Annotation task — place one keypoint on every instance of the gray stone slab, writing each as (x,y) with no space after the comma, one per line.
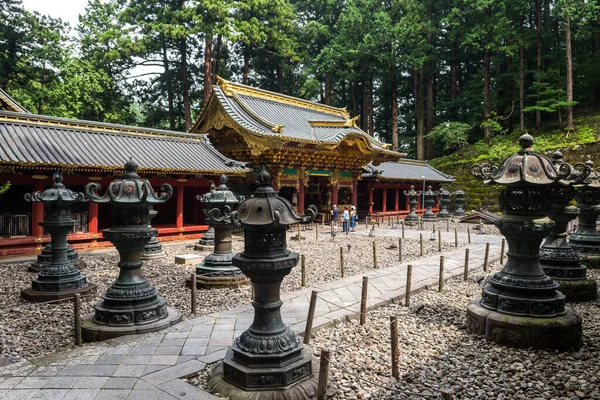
(101,370)
(60,382)
(20,394)
(90,382)
(120,383)
(163,360)
(183,390)
(33,382)
(112,394)
(178,371)
(214,356)
(51,394)
(168,351)
(129,371)
(81,394)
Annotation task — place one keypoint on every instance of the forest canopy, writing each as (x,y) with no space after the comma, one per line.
(428,76)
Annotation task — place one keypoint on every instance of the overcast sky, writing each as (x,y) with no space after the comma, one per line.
(67,10)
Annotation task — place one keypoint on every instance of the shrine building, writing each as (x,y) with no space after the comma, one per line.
(315,152)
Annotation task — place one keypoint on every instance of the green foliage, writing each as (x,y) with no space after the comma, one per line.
(452,135)
(4,188)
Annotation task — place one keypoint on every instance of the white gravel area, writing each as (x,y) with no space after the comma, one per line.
(436,352)
(34,329)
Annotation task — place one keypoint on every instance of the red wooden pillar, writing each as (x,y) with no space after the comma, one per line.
(37,210)
(300,196)
(384,199)
(396,199)
(93,217)
(371,200)
(334,194)
(355,192)
(179,206)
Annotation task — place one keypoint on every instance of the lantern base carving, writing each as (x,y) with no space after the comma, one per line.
(93,332)
(212,276)
(207,241)
(39,297)
(562,332)
(296,381)
(45,257)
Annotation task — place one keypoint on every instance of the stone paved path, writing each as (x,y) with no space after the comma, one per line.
(152,366)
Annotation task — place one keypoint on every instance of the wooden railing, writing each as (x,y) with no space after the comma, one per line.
(15,225)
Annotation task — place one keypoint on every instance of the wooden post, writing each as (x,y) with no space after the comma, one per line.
(448,225)
(341,261)
(441,277)
(310,317)
(402,229)
(193,287)
(363,300)
(408,284)
(421,242)
(374,255)
(303,270)
(77,318)
(323,375)
(502,252)
(455,238)
(299,233)
(400,249)
(439,241)
(316,232)
(485,259)
(394,346)
(469,234)
(447,394)
(466,272)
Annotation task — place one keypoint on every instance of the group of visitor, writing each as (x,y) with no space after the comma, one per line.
(348,219)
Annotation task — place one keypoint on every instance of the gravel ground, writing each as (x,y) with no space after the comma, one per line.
(33,329)
(436,352)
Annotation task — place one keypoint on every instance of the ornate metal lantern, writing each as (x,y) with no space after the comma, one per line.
(131,305)
(217,269)
(412,203)
(557,258)
(59,279)
(153,249)
(429,203)
(586,240)
(520,305)
(207,241)
(459,198)
(268,358)
(444,201)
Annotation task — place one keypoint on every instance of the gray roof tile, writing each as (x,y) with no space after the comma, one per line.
(406,170)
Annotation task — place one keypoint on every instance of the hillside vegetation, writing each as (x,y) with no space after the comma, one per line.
(579,145)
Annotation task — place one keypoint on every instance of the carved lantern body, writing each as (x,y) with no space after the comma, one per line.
(520,305)
(557,258)
(268,358)
(460,202)
(444,201)
(44,258)
(217,270)
(412,203)
(59,278)
(429,203)
(131,305)
(586,240)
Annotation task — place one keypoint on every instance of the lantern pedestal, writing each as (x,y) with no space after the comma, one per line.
(153,250)
(562,332)
(207,241)
(429,203)
(586,240)
(444,201)
(45,257)
(412,216)
(459,199)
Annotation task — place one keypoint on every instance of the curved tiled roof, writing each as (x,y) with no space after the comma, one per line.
(35,140)
(271,114)
(406,169)
(7,103)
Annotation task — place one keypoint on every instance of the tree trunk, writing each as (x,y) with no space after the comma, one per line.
(487,102)
(430,112)
(419,113)
(538,13)
(327,99)
(185,86)
(569,73)
(207,67)
(218,56)
(169,85)
(453,73)
(522,81)
(246,66)
(394,110)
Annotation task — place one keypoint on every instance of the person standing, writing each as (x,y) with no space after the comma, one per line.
(334,218)
(352,219)
(345,220)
